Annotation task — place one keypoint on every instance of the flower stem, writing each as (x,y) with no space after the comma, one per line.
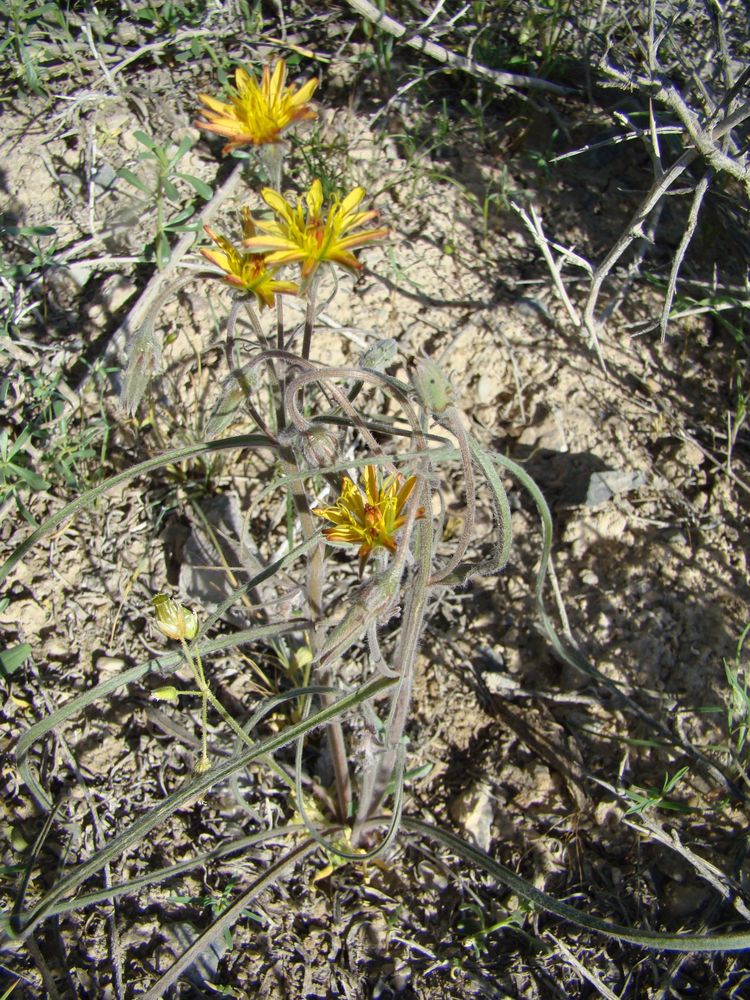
(312,293)
(452,420)
(375,785)
(273,159)
(207,695)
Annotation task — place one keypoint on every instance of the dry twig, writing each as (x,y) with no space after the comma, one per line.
(451,59)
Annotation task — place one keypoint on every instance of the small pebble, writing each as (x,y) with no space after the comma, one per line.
(109,664)
(105,176)
(56,650)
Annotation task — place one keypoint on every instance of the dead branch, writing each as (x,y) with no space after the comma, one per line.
(451,59)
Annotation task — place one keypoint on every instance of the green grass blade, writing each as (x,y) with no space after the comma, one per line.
(167,458)
(737,941)
(138,830)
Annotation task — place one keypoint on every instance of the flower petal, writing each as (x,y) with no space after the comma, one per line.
(305,92)
(344,533)
(361,239)
(314,199)
(281,257)
(404,493)
(242,79)
(216,257)
(269,242)
(352,200)
(277,81)
(257,114)
(370,480)
(218,106)
(278,203)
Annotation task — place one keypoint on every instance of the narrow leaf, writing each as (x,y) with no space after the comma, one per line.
(162,251)
(170,190)
(139,830)
(180,217)
(131,178)
(200,187)
(11,659)
(708,942)
(145,140)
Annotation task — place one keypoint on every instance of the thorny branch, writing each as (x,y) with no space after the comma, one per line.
(708,130)
(452,59)
(635,227)
(702,135)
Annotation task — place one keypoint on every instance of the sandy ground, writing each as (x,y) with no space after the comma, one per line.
(651,541)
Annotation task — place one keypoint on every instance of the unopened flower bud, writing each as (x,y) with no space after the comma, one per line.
(379,355)
(303,657)
(435,391)
(237,388)
(173,620)
(167,693)
(319,448)
(144,362)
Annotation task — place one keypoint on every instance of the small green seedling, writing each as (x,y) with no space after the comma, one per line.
(643,800)
(163,192)
(217,903)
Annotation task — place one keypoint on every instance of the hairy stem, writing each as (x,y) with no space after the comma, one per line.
(374,787)
(452,419)
(312,294)
(196,665)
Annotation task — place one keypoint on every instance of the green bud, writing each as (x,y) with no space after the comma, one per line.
(433,388)
(379,355)
(167,693)
(303,657)
(319,448)
(240,384)
(144,362)
(173,620)
(17,840)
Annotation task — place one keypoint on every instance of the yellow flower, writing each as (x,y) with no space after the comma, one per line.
(173,620)
(370,519)
(257,114)
(307,234)
(245,270)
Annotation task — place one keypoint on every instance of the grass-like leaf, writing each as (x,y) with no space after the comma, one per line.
(139,830)
(733,941)
(159,462)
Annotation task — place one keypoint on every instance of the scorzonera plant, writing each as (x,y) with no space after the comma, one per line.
(356,448)
(362,459)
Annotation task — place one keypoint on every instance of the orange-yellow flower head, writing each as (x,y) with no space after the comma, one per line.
(307,234)
(246,270)
(368,519)
(257,113)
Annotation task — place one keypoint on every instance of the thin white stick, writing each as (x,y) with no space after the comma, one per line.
(443,55)
(700,191)
(634,229)
(534,224)
(602,989)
